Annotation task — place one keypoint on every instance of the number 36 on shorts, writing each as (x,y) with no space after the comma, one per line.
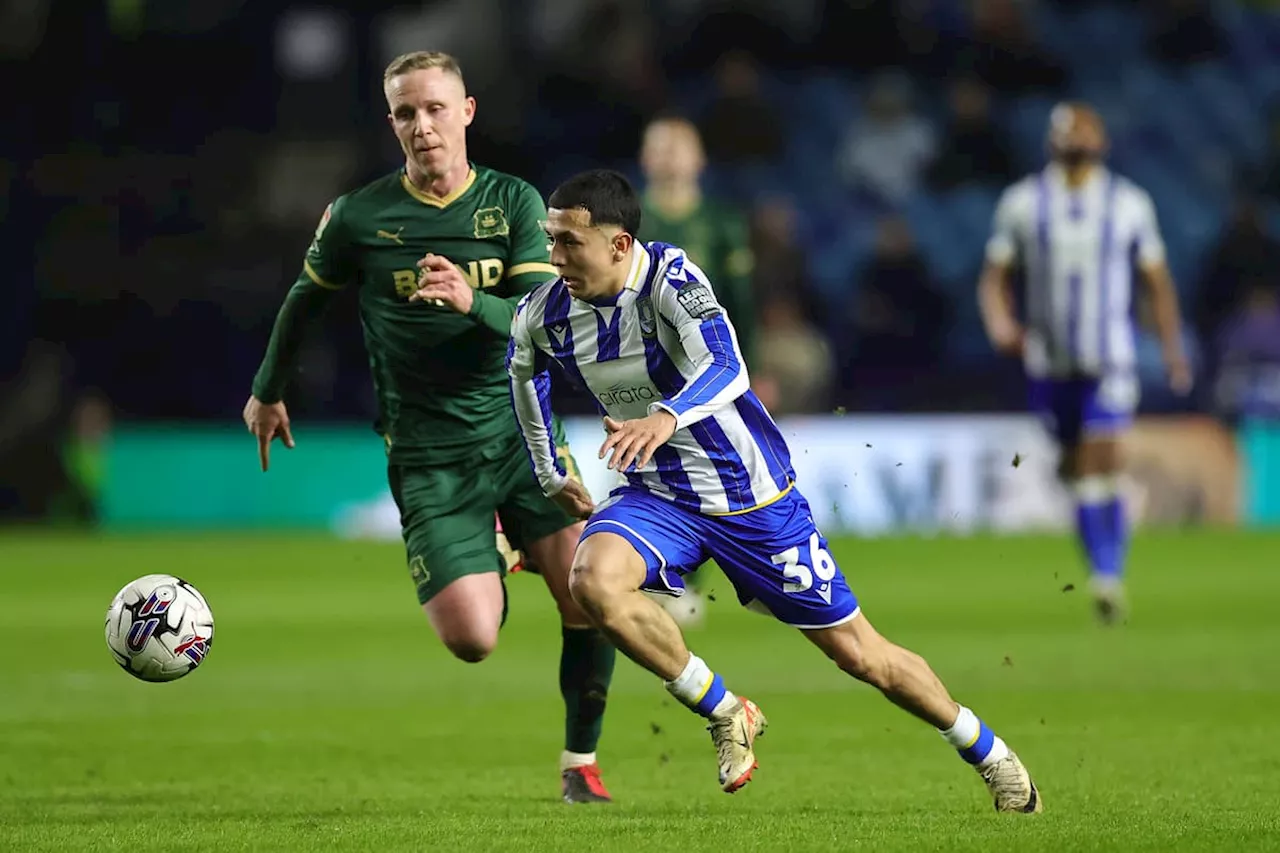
(805,568)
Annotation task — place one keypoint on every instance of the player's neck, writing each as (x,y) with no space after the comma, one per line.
(439,186)
(1077,176)
(676,199)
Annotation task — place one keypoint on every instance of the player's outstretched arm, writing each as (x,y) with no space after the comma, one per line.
(708,338)
(322,275)
(265,414)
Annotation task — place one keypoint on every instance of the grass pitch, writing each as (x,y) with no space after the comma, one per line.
(326,717)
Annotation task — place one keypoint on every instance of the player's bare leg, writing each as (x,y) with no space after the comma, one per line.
(1091,469)
(467,614)
(907,681)
(606,579)
(586,670)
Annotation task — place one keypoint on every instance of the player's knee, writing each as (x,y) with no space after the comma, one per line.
(470,647)
(1102,457)
(595,588)
(467,635)
(588,586)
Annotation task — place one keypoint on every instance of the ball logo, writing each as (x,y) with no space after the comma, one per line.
(139,633)
(158,603)
(195,647)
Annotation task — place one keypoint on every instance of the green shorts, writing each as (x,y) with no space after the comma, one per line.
(446,513)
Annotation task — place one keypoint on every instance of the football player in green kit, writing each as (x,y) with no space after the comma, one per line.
(440,252)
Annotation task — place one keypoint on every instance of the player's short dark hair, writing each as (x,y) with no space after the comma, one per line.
(607,195)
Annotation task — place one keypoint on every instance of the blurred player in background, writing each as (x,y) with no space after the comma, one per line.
(1074,230)
(441,251)
(716,238)
(708,476)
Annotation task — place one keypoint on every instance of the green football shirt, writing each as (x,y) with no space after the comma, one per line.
(716,238)
(441,383)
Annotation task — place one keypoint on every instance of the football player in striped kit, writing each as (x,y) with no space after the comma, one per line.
(1077,231)
(707,476)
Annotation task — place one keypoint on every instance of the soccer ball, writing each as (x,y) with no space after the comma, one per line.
(159,628)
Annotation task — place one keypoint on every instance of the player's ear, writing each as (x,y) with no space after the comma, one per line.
(468,111)
(622,242)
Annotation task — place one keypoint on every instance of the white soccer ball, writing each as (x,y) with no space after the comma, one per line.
(159,628)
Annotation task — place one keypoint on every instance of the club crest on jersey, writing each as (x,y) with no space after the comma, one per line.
(418,569)
(648,322)
(490,222)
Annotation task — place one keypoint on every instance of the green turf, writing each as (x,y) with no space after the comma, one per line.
(327,718)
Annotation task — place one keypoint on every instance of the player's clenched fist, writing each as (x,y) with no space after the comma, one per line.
(636,440)
(575,500)
(266,421)
(442,283)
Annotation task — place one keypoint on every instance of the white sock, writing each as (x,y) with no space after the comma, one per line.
(570,760)
(697,687)
(964,734)
(1097,489)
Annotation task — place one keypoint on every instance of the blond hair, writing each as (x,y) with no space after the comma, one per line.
(420,60)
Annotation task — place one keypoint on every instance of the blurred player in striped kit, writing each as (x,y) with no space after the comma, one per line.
(1076,231)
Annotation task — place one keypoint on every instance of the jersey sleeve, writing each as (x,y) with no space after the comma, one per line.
(1147,238)
(328,266)
(329,261)
(685,300)
(528,369)
(1003,248)
(528,261)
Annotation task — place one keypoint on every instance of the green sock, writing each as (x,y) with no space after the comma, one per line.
(586,669)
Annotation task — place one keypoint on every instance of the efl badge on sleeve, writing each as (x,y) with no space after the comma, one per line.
(324,221)
(695,298)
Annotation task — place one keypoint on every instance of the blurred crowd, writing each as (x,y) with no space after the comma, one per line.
(164,180)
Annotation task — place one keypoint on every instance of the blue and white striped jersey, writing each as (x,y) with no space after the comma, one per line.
(663,343)
(1077,249)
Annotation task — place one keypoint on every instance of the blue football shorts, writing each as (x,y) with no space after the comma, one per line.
(774,556)
(1080,406)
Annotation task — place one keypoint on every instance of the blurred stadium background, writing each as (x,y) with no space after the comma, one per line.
(163,179)
(163,167)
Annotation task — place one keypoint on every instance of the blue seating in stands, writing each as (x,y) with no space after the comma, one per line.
(1183,134)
